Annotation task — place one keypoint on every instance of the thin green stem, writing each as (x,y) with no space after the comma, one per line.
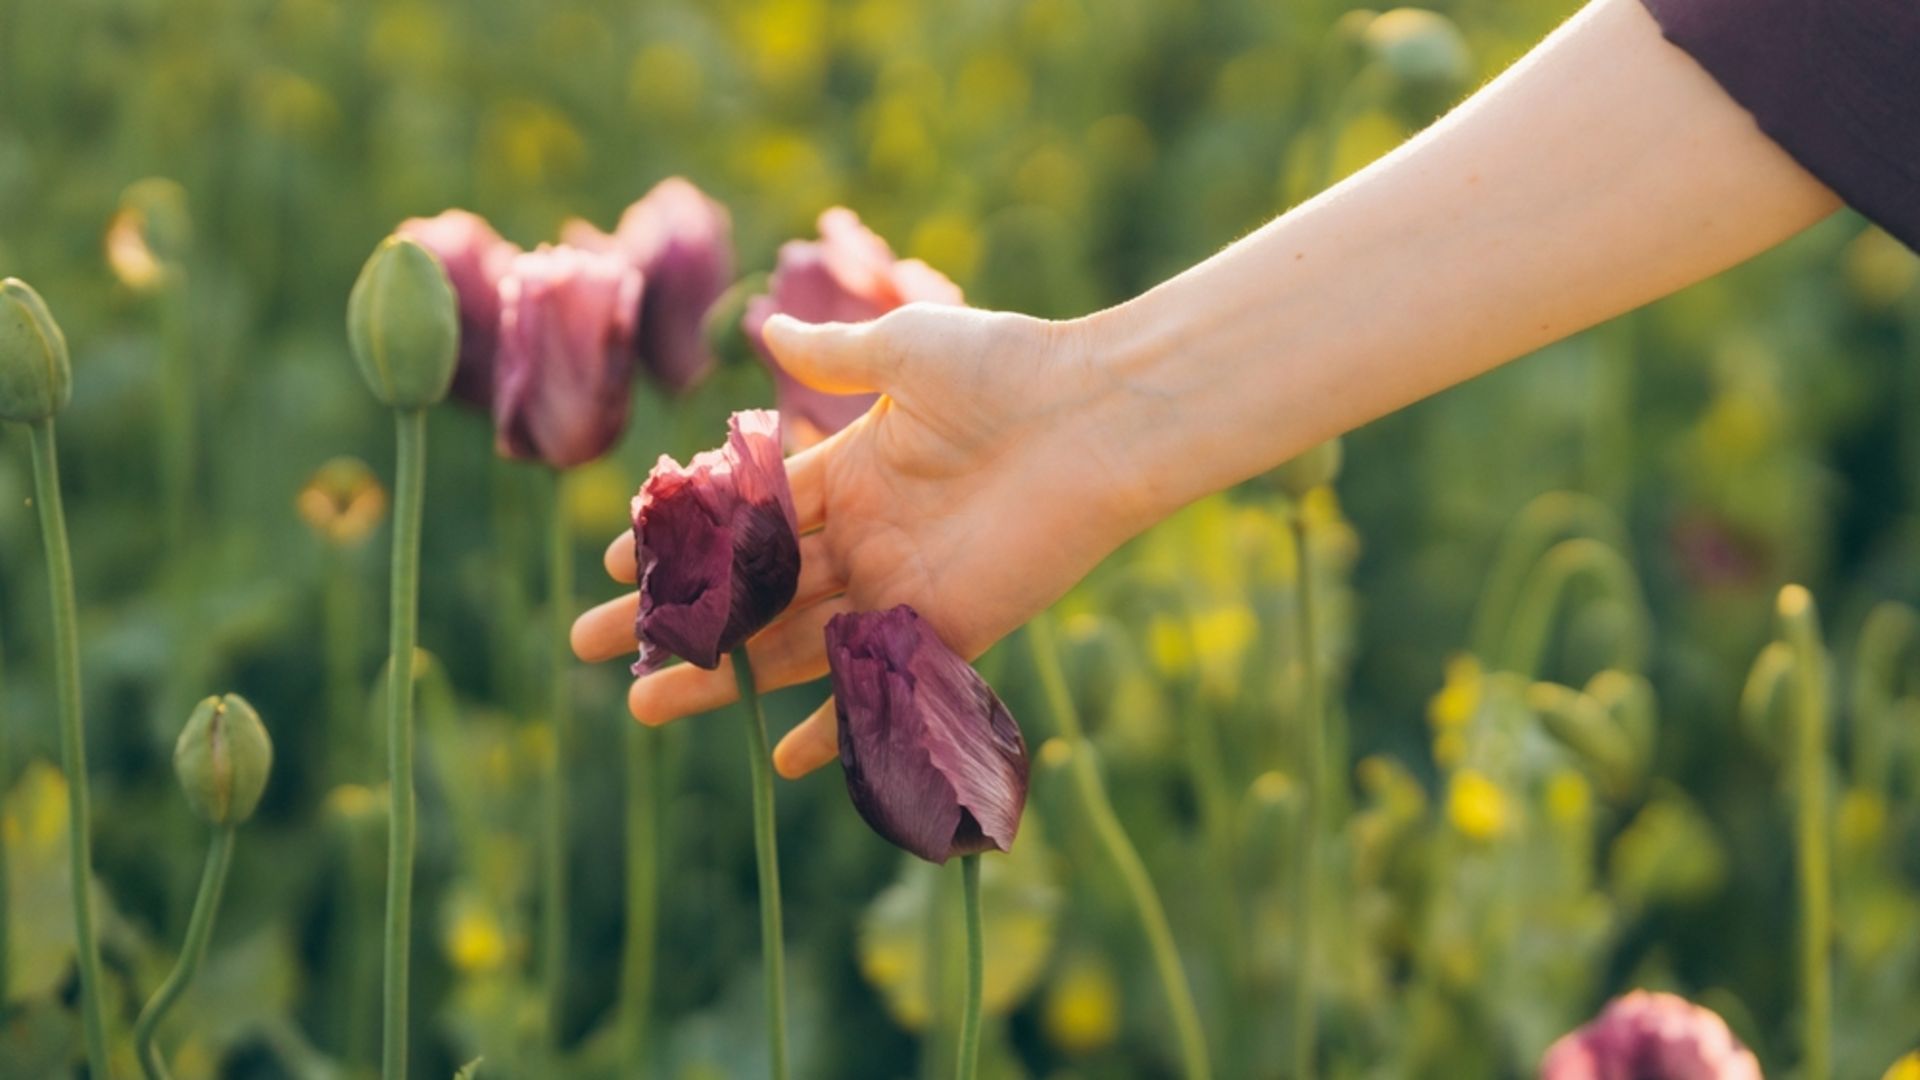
(767,856)
(6,762)
(1312,725)
(643,883)
(1802,632)
(976,969)
(348,744)
(1120,850)
(553,876)
(177,414)
(410,426)
(73,737)
(206,908)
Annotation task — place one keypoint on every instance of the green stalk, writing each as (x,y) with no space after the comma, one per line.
(1120,850)
(643,884)
(177,420)
(1548,585)
(1312,768)
(553,877)
(348,743)
(410,427)
(206,907)
(976,969)
(1554,514)
(1802,631)
(767,854)
(6,935)
(73,737)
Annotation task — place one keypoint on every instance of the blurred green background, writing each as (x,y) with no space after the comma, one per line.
(1493,874)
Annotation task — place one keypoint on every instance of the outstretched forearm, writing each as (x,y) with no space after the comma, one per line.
(1603,171)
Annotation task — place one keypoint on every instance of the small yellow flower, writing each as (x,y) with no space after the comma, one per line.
(1082,1013)
(1907,1068)
(1459,696)
(1569,799)
(476,942)
(1860,821)
(342,501)
(1476,807)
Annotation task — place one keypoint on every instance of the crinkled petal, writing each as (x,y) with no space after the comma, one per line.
(933,760)
(562,384)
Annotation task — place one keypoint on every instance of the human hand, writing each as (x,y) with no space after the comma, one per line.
(987,481)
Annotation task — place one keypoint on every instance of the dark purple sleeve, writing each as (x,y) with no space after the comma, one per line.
(1834,82)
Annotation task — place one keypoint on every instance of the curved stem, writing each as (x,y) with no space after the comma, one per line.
(1548,584)
(1120,850)
(73,737)
(1554,514)
(767,857)
(410,427)
(1802,632)
(1312,775)
(976,969)
(643,876)
(553,877)
(206,907)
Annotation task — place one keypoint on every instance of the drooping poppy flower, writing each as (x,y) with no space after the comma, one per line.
(562,388)
(718,546)
(848,275)
(1651,1036)
(475,258)
(681,241)
(933,760)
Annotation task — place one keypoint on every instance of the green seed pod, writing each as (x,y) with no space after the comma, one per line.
(1317,467)
(36,379)
(1423,49)
(222,759)
(403,324)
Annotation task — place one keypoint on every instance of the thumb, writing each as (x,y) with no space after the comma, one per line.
(838,358)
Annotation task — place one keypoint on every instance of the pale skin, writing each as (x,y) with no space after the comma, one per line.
(1011,454)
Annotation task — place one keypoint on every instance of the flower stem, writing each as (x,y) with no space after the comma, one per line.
(206,907)
(1312,787)
(643,883)
(6,761)
(976,969)
(1802,632)
(410,426)
(767,853)
(1120,850)
(553,877)
(73,737)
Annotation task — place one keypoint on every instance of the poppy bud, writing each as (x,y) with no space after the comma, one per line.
(1317,467)
(36,379)
(848,275)
(222,759)
(1652,1035)
(475,259)
(403,325)
(933,760)
(1423,49)
(718,545)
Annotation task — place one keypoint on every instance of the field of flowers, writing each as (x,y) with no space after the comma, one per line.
(1599,674)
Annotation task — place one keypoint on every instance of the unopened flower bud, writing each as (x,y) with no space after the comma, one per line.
(403,325)
(1423,49)
(36,379)
(1316,468)
(222,759)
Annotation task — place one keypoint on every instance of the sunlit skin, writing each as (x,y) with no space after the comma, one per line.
(1011,454)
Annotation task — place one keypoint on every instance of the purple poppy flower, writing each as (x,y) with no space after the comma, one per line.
(848,275)
(933,760)
(718,546)
(562,385)
(1651,1036)
(681,241)
(475,258)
